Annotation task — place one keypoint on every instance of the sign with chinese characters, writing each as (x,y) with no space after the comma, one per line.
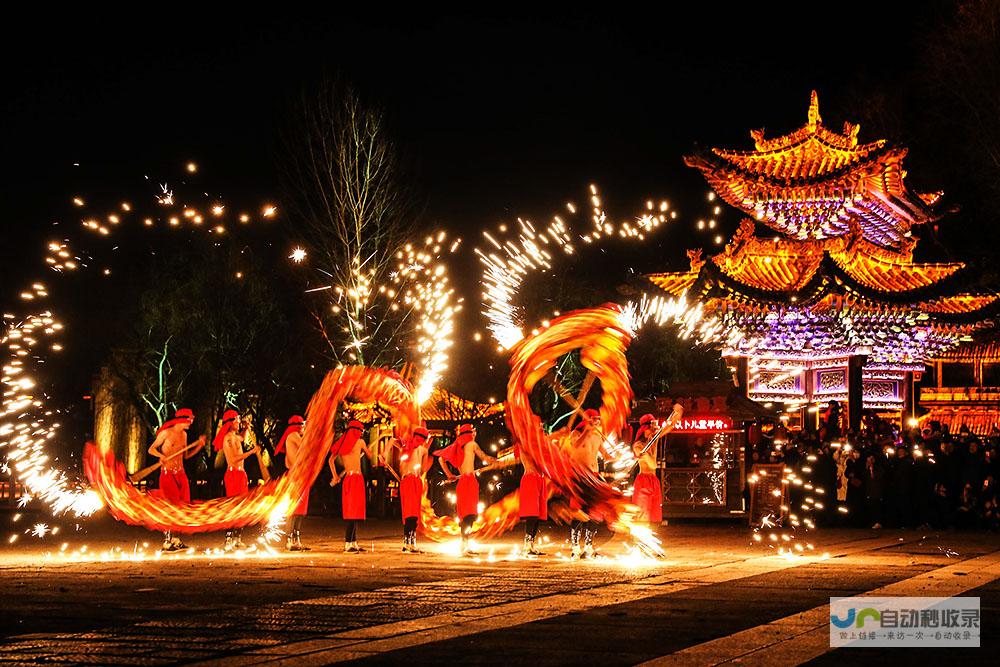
(703,424)
(904,621)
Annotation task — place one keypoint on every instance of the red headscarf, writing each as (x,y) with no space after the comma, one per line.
(345,443)
(645,427)
(226,426)
(295,424)
(455,452)
(182,416)
(418,439)
(588,415)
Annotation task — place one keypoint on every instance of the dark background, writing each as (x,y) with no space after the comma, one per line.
(495,117)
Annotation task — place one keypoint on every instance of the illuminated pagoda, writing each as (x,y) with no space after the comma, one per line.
(820,276)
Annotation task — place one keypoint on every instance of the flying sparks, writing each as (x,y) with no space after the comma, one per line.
(416,301)
(27,423)
(507,263)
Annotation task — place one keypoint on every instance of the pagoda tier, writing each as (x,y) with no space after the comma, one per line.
(816,184)
(832,296)
(833,307)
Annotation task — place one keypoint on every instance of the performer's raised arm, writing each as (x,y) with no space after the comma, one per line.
(674,418)
(483,455)
(198,445)
(245,455)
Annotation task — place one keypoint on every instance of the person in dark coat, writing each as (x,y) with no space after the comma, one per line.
(900,489)
(875,488)
(854,474)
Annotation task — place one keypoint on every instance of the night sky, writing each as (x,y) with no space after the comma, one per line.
(494,117)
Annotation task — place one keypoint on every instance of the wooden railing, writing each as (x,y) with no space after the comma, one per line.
(959,394)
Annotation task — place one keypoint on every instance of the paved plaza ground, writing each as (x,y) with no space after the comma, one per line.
(715,598)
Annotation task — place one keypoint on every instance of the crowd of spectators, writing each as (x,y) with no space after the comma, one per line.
(885,476)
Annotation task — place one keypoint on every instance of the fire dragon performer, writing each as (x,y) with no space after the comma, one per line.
(533,502)
(349,448)
(412,469)
(290,442)
(461,454)
(585,450)
(646,491)
(229,440)
(171,447)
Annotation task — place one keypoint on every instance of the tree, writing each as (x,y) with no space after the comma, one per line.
(212,332)
(343,182)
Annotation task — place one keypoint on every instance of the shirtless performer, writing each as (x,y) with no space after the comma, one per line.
(461,454)
(171,447)
(291,441)
(349,448)
(412,468)
(646,491)
(589,445)
(229,439)
(533,501)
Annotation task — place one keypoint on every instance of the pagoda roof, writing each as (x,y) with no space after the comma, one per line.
(444,405)
(815,183)
(764,271)
(987,351)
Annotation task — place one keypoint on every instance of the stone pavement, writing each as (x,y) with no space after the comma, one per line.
(715,598)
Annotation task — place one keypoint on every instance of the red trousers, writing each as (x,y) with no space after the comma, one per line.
(647,495)
(532,496)
(303,506)
(353,497)
(411,494)
(468,495)
(174,485)
(236,482)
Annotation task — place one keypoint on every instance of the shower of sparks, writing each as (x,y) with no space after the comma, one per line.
(508,262)
(690,320)
(418,293)
(146,552)
(27,423)
(274,531)
(785,535)
(298,255)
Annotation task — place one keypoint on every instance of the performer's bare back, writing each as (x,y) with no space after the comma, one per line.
(469,453)
(352,459)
